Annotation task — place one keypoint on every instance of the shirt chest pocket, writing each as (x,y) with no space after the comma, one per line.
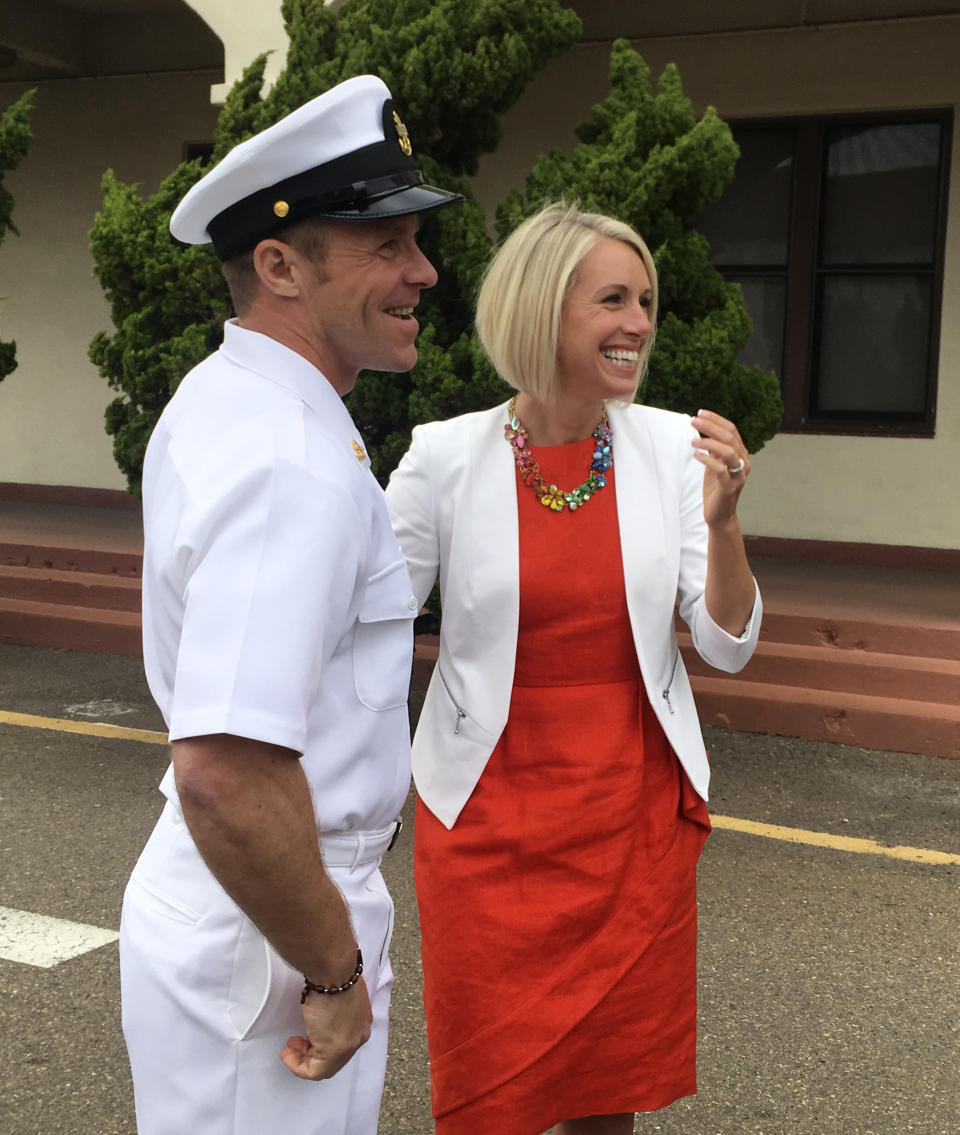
(383,644)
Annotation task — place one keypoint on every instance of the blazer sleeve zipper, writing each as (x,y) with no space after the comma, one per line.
(461,714)
(666,693)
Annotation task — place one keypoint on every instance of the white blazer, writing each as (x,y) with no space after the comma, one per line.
(453,503)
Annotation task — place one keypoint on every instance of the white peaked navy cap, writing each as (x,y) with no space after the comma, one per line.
(346,154)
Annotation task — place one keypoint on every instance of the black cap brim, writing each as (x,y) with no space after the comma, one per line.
(268,212)
(416,199)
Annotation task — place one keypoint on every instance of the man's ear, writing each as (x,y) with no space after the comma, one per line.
(277,266)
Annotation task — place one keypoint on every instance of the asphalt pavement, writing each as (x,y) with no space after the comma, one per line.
(830,979)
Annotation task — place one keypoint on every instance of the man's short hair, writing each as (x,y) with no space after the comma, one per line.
(308,237)
(525,288)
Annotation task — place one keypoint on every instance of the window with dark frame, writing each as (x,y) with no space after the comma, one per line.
(834,229)
(193,150)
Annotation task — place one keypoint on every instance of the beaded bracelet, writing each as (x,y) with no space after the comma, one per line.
(309,987)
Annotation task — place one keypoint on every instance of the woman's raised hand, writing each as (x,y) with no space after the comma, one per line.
(726,463)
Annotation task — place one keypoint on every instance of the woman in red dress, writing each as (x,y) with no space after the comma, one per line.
(558,758)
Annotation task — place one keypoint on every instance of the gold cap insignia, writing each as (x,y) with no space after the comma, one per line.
(280,208)
(402,136)
(358,451)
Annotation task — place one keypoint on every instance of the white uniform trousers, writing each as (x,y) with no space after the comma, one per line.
(208,1005)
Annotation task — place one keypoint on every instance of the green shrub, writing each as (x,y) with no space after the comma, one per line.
(15,138)
(454,67)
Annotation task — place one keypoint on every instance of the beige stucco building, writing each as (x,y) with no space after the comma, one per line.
(127,84)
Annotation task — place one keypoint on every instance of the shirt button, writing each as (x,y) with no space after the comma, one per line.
(412,603)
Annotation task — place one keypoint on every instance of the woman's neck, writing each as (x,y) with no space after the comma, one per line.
(557,423)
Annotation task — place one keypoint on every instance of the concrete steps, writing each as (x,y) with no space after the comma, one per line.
(66,627)
(862,655)
(863,632)
(72,558)
(910,677)
(870,722)
(867,657)
(70,597)
(73,588)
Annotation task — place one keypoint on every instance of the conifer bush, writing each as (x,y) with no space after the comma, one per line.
(454,67)
(15,138)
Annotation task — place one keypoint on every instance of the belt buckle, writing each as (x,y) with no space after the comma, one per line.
(398,827)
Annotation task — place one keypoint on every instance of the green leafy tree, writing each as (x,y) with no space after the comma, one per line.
(646,158)
(15,137)
(454,67)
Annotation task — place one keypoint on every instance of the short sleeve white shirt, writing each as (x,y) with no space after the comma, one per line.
(276,603)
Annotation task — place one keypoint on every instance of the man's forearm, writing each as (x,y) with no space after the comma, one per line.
(248,807)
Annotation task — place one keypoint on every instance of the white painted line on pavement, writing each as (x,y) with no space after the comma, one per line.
(107,707)
(38,940)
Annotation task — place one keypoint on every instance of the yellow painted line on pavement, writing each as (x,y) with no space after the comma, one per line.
(835,842)
(90,728)
(728,823)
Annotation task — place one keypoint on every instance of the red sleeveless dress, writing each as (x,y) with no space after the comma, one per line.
(558,917)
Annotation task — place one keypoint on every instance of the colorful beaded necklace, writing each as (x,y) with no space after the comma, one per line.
(550,496)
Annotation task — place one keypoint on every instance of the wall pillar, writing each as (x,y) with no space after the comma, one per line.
(247,28)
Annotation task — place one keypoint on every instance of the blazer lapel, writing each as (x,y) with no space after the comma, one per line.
(493,498)
(493,570)
(640,513)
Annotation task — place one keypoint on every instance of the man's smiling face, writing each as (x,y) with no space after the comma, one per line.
(359,304)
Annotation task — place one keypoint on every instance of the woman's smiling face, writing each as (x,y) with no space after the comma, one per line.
(605,324)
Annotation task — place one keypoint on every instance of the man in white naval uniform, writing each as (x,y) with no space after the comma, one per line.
(278,622)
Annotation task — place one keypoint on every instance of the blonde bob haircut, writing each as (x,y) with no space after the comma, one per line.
(526,285)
